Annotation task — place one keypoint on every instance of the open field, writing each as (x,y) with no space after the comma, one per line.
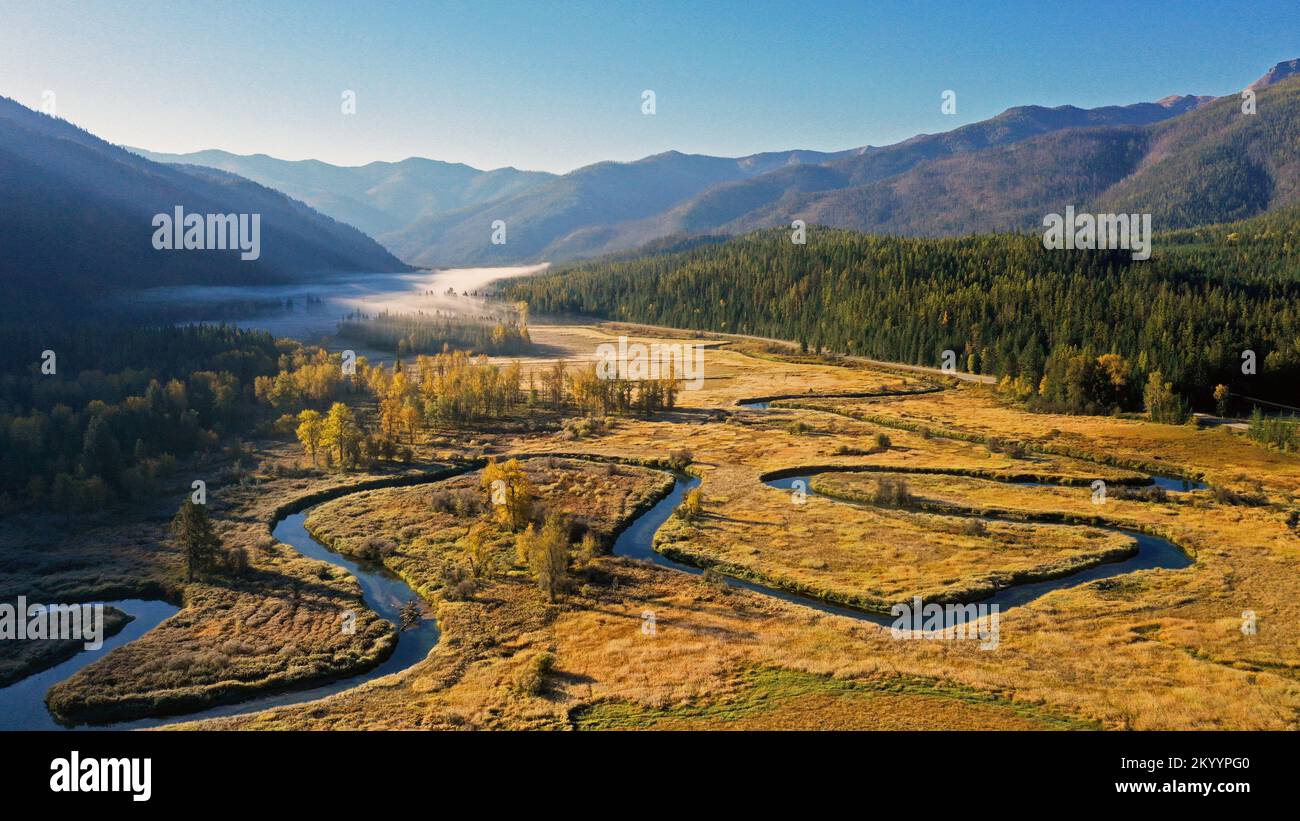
(1150,649)
(1216,454)
(874,557)
(768,699)
(420,530)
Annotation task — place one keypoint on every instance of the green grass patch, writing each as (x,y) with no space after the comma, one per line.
(763,689)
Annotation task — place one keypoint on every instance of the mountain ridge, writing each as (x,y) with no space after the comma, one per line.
(76,221)
(1001,173)
(376,197)
(739,201)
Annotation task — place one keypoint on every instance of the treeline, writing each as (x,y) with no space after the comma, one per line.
(1002,303)
(305,377)
(1280,432)
(448,389)
(109,411)
(421,333)
(453,388)
(94,415)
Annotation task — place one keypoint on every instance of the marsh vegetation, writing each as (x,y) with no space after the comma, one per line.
(955,491)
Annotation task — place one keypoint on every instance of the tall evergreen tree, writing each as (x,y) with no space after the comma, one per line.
(199,543)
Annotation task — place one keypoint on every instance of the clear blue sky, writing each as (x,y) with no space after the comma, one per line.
(556,85)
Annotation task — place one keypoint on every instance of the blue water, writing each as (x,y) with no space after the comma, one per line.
(1170,483)
(23,702)
(637,543)
(1152,552)
(385,593)
(1177,485)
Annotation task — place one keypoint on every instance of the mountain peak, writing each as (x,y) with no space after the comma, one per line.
(1184,102)
(1276,74)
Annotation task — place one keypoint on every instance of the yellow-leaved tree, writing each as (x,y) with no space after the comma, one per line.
(340,432)
(509,493)
(310,430)
(546,553)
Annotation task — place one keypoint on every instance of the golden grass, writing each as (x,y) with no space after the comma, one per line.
(1155,649)
(777,699)
(1148,650)
(278,627)
(597,496)
(1220,455)
(871,557)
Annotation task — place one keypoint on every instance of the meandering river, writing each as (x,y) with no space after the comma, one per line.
(24,706)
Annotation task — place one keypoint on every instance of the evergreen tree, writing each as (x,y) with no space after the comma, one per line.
(100,453)
(199,543)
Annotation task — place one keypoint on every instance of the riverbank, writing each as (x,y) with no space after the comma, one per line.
(1155,648)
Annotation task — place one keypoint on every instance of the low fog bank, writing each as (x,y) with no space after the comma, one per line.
(310,311)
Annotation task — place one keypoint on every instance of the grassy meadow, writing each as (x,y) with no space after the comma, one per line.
(1154,649)
(1148,650)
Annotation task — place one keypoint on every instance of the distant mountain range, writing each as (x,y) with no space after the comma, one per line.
(377,198)
(76,222)
(405,203)
(1188,160)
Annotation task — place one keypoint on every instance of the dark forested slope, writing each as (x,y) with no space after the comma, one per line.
(1002,302)
(76,222)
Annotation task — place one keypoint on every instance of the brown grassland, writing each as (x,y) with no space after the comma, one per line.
(1152,649)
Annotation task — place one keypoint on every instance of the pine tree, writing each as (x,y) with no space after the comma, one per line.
(100,454)
(199,543)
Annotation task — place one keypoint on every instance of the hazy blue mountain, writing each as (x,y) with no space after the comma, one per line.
(596,195)
(614,206)
(76,218)
(1186,159)
(973,164)
(377,197)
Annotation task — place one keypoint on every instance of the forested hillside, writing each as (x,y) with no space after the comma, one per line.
(1219,163)
(76,222)
(121,407)
(613,206)
(376,197)
(1003,303)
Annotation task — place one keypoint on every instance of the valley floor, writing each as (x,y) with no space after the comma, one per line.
(1151,649)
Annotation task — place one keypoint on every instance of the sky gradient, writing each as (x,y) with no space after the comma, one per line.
(554,86)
